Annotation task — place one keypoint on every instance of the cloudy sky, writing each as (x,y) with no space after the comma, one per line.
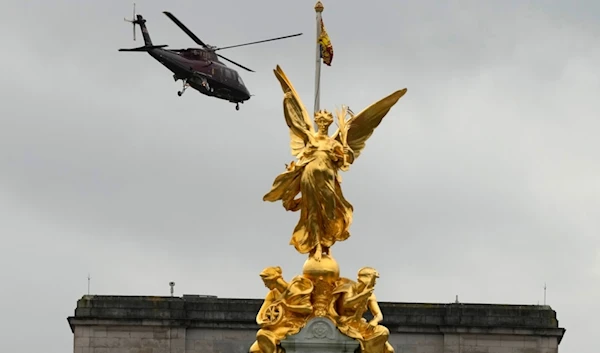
(482,182)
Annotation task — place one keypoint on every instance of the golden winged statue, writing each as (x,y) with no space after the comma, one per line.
(325,215)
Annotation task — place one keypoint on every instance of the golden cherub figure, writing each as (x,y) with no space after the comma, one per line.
(325,215)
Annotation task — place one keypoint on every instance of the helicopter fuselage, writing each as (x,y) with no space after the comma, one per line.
(199,68)
(209,77)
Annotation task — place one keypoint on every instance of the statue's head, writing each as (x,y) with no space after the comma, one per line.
(368,276)
(270,275)
(323,119)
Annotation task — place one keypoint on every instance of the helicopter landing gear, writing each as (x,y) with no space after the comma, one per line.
(185,86)
(237,106)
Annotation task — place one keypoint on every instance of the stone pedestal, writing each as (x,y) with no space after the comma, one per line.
(319,336)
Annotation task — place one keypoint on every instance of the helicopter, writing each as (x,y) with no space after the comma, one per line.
(199,68)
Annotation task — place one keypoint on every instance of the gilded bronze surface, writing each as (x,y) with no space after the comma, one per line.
(349,302)
(325,214)
(285,310)
(325,217)
(320,292)
(312,185)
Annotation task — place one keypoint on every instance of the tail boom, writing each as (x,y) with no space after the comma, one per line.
(145,48)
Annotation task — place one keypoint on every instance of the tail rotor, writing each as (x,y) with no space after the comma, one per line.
(139,20)
(132,21)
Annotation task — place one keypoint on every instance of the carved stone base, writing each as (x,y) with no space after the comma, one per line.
(319,336)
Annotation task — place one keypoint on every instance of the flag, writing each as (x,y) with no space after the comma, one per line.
(326,47)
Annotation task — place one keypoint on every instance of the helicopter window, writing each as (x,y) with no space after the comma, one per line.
(240,79)
(196,54)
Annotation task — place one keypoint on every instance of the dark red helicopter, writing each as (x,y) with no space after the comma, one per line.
(199,68)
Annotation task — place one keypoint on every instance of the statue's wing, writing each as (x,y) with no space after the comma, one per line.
(362,125)
(296,116)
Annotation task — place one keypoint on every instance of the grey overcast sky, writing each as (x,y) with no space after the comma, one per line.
(482,182)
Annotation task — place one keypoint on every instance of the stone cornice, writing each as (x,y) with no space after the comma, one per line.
(212,312)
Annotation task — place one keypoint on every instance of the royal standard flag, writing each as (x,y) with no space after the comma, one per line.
(326,47)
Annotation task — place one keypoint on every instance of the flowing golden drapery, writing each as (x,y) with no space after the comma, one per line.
(284,311)
(325,215)
(350,301)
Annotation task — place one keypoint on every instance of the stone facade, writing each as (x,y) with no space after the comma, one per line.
(196,324)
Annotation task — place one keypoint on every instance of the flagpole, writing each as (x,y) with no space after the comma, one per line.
(318,9)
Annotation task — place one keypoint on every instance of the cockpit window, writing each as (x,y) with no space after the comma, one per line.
(196,54)
(240,79)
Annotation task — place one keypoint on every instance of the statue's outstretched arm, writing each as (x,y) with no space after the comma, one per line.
(351,301)
(375,310)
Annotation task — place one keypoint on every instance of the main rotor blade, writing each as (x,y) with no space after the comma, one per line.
(260,41)
(233,62)
(185,29)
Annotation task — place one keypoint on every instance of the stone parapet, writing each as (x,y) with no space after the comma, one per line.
(225,313)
